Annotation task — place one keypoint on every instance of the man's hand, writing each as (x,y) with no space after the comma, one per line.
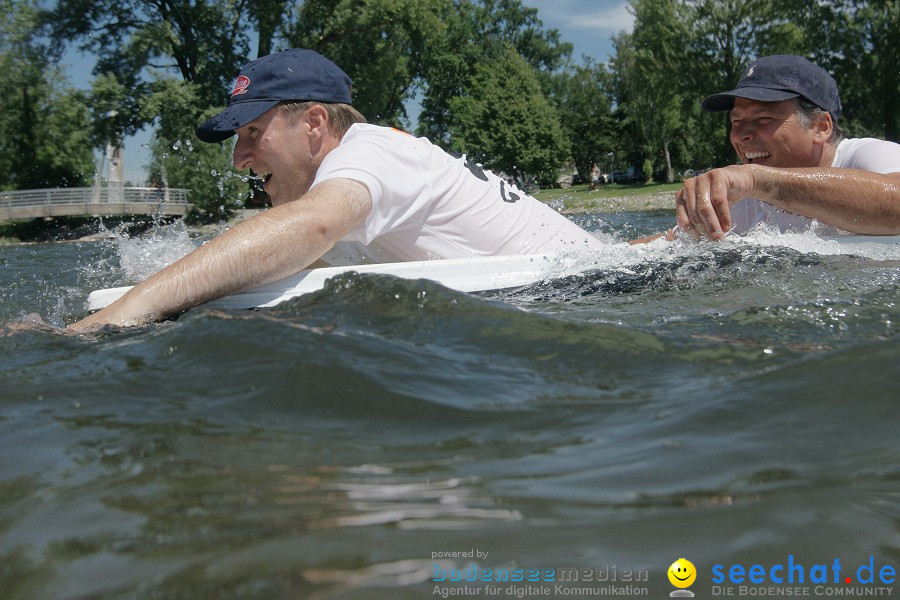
(117,316)
(267,247)
(703,205)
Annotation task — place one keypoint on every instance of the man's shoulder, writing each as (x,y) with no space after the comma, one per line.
(358,130)
(866,141)
(370,131)
(370,142)
(867,144)
(871,154)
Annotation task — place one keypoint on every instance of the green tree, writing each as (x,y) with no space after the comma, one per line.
(478,32)
(645,63)
(725,38)
(45,122)
(582,96)
(505,121)
(115,111)
(202,42)
(379,43)
(269,15)
(865,60)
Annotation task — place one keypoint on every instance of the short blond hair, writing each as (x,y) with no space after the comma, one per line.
(340,116)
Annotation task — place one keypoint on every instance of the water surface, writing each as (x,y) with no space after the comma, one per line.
(730,403)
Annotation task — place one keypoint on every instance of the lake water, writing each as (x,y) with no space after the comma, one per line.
(733,404)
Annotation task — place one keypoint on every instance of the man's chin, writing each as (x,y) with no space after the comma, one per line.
(273,194)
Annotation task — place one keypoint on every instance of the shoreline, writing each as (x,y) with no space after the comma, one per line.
(566,202)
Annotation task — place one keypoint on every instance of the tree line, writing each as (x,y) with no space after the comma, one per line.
(492,81)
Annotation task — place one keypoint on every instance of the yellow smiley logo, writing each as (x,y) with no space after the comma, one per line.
(682,573)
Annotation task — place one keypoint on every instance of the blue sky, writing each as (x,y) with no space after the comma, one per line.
(586,24)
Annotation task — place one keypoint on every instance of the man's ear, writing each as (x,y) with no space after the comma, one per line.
(823,127)
(317,119)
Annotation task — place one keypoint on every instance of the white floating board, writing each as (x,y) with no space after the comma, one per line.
(852,239)
(463,274)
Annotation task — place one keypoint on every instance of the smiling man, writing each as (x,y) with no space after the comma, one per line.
(796,166)
(343,191)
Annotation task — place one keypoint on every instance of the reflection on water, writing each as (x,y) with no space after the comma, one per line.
(729,403)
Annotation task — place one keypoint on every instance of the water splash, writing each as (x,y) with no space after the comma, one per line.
(873,246)
(142,256)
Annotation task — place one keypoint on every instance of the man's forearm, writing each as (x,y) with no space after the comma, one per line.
(265,248)
(849,199)
(257,251)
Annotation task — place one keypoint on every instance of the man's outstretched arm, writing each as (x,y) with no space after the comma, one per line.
(850,199)
(270,246)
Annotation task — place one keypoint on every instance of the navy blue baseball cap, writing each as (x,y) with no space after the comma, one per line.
(781,77)
(296,74)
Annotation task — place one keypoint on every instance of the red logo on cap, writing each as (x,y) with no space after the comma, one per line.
(240,86)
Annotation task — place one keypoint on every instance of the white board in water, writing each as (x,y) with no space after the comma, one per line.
(461,274)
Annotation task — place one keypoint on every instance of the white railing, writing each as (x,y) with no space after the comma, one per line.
(90,195)
(105,200)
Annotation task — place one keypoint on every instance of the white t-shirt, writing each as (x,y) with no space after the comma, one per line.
(427,204)
(868,154)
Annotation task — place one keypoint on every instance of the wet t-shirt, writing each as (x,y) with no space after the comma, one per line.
(428,204)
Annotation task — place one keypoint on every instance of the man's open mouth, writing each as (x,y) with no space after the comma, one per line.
(262,177)
(752,156)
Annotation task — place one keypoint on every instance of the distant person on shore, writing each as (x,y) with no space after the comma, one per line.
(342,190)
(596,176)
(796,165)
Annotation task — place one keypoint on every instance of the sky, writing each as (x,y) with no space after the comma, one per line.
(586,24)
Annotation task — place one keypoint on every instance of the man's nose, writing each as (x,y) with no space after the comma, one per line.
(741,131)
(241,156)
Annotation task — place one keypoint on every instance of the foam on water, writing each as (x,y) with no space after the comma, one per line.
(619,257)
(874,247)
(142,256)
(762,239)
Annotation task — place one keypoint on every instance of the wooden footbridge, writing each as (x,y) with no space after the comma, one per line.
(93,201)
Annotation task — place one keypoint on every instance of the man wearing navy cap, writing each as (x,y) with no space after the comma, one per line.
(795,165)
(342,190)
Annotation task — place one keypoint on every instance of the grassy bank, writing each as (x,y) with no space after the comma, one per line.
(612,198)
